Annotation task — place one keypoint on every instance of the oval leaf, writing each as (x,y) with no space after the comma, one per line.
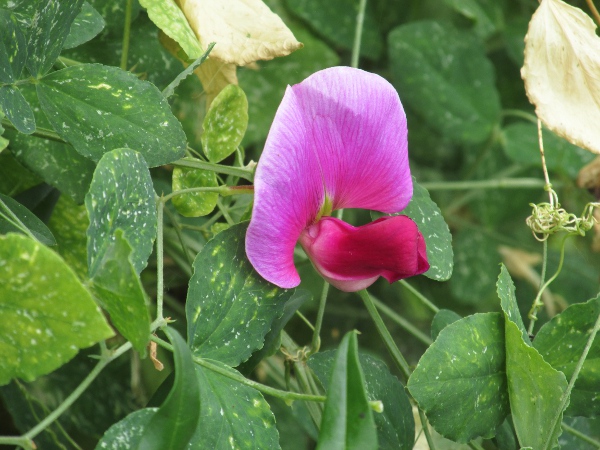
(37,336)
(12,212)
(175,422)
(121,196)
(441,320)
(127,434)
(195,204)
(119,290)
(445,76)
(561,342)
(347,419)
(464,366)
(98,108)
(13,48)
(16,109)
(562,56)
(85,27)
(396,424)
(508,301)
(230,307)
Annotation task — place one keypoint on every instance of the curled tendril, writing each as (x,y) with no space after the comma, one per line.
(550,218)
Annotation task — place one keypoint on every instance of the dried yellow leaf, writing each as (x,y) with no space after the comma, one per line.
(562,72)
(244,30)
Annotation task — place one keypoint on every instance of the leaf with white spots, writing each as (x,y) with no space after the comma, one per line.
(225,123)
(121,196)
(464,366)
(230,307)
(13,215)
(535,390)
(127,434)
(561,342)
(444,75)
(175,422)
(395,424)
(232,415)
(46,315)
(98,108)
(194,204)
(49,30)
(16,109)
(117,287)
(13,48)
(170,19)
(508,300)
(85,27)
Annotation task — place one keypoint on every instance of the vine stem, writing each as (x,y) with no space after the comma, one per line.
(315,344)
(542,278)
(126,33)
(360,19)
(547,186)
(536,302)
(43,133)
(420,296)
(283,395)
(160,205)
(224,191)
(246,172)
(580,435)
(500,183)
(566,395)
(14,220)
(402,322)
(594,11)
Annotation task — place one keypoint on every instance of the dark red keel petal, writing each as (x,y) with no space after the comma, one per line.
(352,258)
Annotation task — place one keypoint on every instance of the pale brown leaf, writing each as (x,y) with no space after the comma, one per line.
(562,72)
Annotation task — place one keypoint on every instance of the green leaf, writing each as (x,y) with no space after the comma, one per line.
(520,141)
(441,320)
(13,48)
(395,425)
(561,342)
(170,19)
(335,20)
(265,87)
(460,381)
(119,290)
(16,109)
(12,212)
(175,422)
(3,145)
(445,76)
(49,30)
(58,164)
(486,14)
(535,391)
(85,27)
(432,225)
(127,434)
(508,302)
(195,204)
(230,307)
(232,415)
(225,123)
(69,223)
(121,196)
(114,14)
(14,178)
(37,336)
(347,419)
(98,108)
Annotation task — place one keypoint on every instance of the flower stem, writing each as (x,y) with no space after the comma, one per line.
(246,172)
(126,31)
(420,296)
(402,322)
(501,183)
(360,19)
(542,280)
(315,344)
(224,191)
(567,394)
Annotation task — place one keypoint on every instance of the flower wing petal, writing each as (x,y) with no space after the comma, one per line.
(352,258)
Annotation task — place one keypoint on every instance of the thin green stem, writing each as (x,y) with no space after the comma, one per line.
(283,395)
(315,344)
(567,394)
(177,228)
(519,113)
(224,191)
(502,183)
(360,19)
(13,219)
(305,320)
(159,259)
(425,428)
(385,334)
(69,62)
(580,435)
(537,302)
(246,172)
(225,212)
(43,133)
(420,296)
(542,280)
(126,33)
(401,321)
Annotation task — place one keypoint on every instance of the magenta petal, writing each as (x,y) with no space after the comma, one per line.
(341,133)
(352,258)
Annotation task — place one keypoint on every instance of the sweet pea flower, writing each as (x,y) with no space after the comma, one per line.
(338,140)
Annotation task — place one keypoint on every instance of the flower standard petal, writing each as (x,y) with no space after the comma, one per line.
(352,258)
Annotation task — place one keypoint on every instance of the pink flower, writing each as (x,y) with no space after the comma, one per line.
(338,140)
